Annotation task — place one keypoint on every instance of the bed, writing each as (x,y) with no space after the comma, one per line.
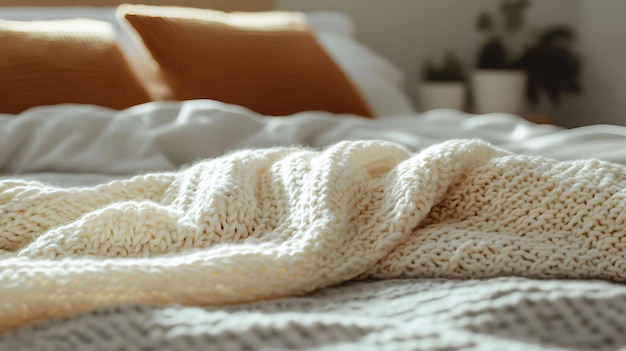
(157,219)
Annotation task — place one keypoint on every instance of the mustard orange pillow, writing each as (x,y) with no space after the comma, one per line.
(64,61)
(268,62)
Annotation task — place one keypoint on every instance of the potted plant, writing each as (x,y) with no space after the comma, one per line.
(515,67)
(552,66)
(499,82)
(443,85)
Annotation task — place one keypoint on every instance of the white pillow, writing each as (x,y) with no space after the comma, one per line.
(377,79)
(331,22)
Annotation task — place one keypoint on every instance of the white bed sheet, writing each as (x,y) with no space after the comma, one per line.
(82,139)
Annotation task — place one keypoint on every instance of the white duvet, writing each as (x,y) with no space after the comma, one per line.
(164,135)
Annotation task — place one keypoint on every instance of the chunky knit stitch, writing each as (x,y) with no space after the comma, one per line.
(260,224)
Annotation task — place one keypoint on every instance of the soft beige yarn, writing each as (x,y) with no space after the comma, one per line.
(259,224)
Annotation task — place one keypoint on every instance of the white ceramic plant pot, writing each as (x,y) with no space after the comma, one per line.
(497,90)
(442,95)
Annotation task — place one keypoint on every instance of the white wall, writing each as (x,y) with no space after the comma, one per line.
(602,36)
(410,31)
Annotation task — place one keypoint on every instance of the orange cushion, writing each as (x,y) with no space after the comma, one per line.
(268,62)
(63,61)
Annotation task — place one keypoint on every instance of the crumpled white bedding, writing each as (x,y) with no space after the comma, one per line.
(164,135)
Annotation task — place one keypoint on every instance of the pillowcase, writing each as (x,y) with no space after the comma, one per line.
(331,22)
(222,5)
(379,83)
(379,80)
(64,61)
(268,62)
(137,56)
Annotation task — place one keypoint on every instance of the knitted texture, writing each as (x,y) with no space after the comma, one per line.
(406,314)
(260,224)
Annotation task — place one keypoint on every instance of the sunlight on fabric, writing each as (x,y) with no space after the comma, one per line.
(83,25)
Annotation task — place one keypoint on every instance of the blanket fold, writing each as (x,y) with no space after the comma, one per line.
(266,223)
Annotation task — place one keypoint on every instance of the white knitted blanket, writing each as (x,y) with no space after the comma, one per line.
(259,224)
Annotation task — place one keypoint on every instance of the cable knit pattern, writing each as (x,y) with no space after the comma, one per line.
(260,224)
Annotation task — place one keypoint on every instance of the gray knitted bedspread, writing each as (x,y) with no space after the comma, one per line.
(494,314)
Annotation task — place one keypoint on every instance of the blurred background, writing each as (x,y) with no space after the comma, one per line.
(413,32)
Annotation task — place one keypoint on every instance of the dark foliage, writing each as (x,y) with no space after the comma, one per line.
(450,70)
(513,14)
(484,23)
(552,66)
(493,56)
(550,62)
